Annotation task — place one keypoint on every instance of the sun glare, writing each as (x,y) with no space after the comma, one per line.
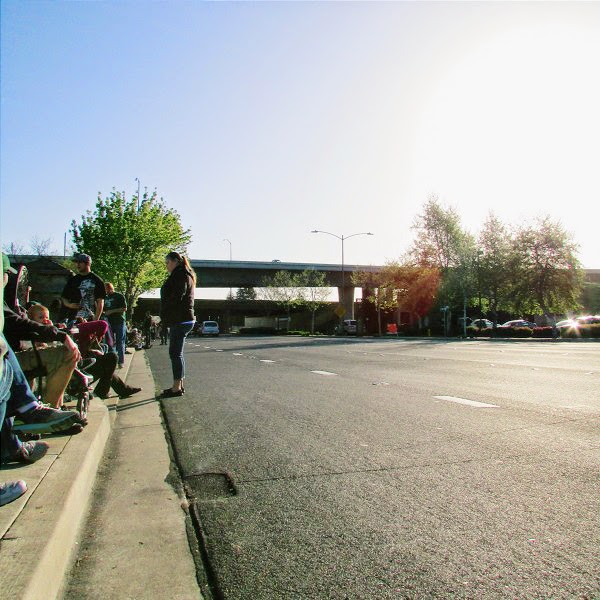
(513,126)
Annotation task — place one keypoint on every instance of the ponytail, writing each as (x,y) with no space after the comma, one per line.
(183,260)
(188,267)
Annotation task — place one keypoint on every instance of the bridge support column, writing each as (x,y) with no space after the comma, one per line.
(346,298)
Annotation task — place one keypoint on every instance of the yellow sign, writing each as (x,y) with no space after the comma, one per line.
(340,311)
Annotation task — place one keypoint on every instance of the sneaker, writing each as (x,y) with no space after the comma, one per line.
(129,391)
(31,451)
(44,419)
(11,490)
(29,437)
(120,366)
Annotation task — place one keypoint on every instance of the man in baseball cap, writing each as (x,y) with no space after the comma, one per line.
(84,293)
(82,258)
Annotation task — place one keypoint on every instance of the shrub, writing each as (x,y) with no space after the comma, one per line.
(514,332)
(257,330)
(542,332)
(477,332)
(583,331)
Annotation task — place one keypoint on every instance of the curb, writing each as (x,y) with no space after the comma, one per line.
(39,544)
(40,531)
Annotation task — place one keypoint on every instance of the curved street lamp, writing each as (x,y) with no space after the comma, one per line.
(342,238)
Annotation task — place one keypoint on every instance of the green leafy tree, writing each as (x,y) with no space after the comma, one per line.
(313,292)
(441,243)
(245,293)
(128,243)
(283,288)
(545,268)
(400,285)
(493,267)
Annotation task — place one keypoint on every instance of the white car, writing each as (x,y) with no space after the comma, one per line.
(349,326)
(209,328)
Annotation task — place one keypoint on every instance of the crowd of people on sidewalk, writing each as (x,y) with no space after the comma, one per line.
(46,366)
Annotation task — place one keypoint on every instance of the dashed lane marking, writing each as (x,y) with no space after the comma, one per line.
(266,360)
(238,354)
(323,373)
(466,402)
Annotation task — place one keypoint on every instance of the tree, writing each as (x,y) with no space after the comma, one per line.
(313,293)
(400,285)
(283,289)
(493,263)
(245,293)
(41,246)
(128,244)
(37,245)
(545,269)
(439,236)
(13,248)
(442,244)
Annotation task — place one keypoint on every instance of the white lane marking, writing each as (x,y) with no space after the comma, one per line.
(219,351)
(208,347)
(267,361)
(323,373)
(238,354)
(467,402)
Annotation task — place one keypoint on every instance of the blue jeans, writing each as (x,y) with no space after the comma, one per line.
(19,394)
(119,336)
(5,385)
(178,333)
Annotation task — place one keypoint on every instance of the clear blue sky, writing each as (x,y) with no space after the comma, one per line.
(259,122)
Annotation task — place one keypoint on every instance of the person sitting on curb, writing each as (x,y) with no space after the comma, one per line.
(104,371)
(57,363)
(14,387)
(9,490)
(13,450)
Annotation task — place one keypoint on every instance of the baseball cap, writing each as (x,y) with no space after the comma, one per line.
(84,258)
(6,268)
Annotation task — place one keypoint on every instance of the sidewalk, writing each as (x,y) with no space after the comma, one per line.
(41,531)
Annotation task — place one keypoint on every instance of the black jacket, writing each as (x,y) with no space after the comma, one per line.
(18,329)
(177,297)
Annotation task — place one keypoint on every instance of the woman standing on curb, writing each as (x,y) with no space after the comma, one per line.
(177,313)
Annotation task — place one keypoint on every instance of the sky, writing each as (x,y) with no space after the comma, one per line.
(259,122)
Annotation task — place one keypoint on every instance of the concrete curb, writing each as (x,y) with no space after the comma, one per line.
(37,548)
(40,530)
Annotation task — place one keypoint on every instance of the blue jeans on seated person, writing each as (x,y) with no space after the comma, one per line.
(178,333)
(19,395)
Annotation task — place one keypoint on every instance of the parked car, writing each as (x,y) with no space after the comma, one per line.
(577,321)
(517,323)
(209,328)
(349,326)
(588,319)
(481,324)
(566,323)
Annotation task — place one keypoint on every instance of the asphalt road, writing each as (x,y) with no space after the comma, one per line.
(369,469)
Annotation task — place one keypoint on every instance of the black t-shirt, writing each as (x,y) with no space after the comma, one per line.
(85,289)
(112,301)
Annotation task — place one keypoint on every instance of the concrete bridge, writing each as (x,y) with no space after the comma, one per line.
(225,273)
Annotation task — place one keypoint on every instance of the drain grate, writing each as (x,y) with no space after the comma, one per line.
(210,486)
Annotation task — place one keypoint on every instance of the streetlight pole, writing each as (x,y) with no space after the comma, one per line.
(342,238)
